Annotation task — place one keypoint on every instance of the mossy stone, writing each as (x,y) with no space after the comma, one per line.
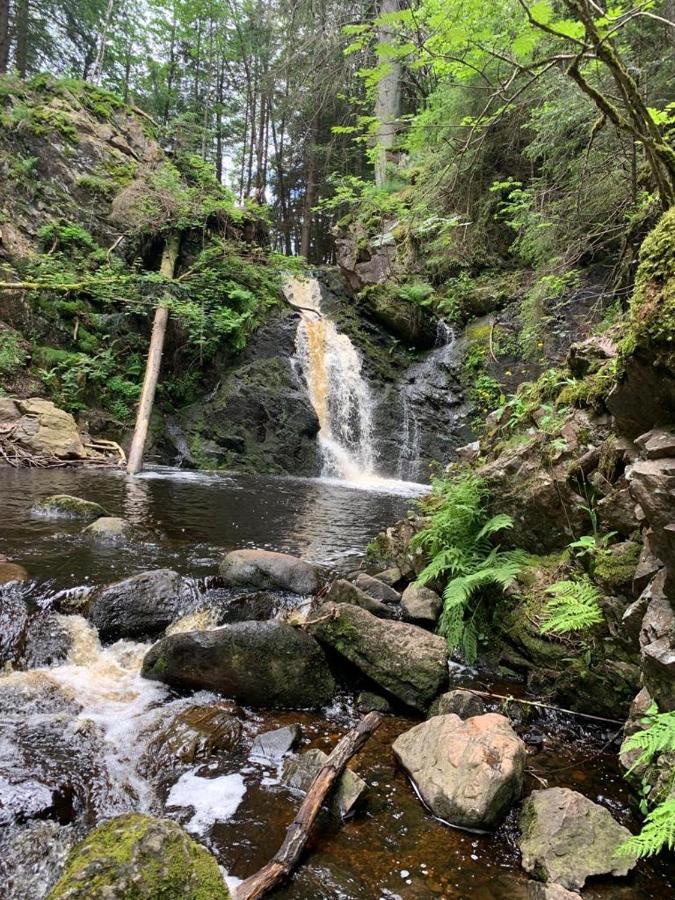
(67,506)
(139,857)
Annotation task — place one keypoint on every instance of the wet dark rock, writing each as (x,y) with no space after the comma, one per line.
(140,606)
(298,774)
(194,735)
(647,567)
(468,773)
(31,857)
(538,891)
(389,576)
(267,570)
(48,640)
(342,591)
(258,606)
(421,604)
(405,660)
(367,702)
(566,838)
(109,530)
(135,855)
(376,588)
(266,664)
(272,746)
(13,621)
(616,511)
(462,703)
(65,506)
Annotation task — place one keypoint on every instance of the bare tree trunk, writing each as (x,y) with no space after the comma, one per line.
(135,461)
(388,99)
(4,35)
(310,190)
(102,38)
(299,830)
(21,28)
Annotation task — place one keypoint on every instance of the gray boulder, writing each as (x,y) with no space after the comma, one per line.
(462,703)
(265,569)
(272,746)
(377,589)
(468,773)
(389,576)
(139,606)
(42,428)
(421,604)
(405,660)
(566,838)
(298,774)
(266,664)
(342,591)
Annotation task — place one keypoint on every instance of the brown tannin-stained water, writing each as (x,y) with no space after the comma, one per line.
(76,737)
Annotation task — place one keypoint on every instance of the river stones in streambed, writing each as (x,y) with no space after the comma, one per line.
(139,856)
(140,606)
(342,591)
(298,774)
(267,570)
(110,530)
(405,660)
(264,664)
(376,588)
(468,773)
(66,506)
(566,838)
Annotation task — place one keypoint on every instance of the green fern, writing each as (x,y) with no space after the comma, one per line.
(658,736)
(658,832)
(458,540)
(574,606)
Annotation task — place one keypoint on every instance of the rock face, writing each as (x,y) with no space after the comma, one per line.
(421,604)
(65,506)
(566,838)
(139,606)
(265,569)
(468,773)
(138,857)
(299,774)
(405,660)
(267,664)
(42,428)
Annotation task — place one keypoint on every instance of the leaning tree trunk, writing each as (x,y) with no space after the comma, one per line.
(135,461)
(388,98)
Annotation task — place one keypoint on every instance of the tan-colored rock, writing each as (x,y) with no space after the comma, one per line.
(468,773)
(45,430)
(12,572)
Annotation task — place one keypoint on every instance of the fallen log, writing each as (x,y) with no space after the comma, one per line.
(299,830)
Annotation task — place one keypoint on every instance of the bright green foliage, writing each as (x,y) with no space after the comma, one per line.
(458,542)
(657,834)
(12,354)
(657,736)
(574,606)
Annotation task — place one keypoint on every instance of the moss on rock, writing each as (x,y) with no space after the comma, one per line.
(69,507)
(139,857)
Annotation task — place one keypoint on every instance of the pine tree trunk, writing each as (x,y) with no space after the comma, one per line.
(388,99)
(154,361)
(4,35)
(21,27)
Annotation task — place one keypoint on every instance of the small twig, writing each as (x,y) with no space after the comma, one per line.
(492,329)
(538,703)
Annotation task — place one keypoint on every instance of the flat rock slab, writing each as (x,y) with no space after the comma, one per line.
(567,838)
(464,704)
(405,660)
(468,773)
(266,570)
(343,591)
(264,664)
(272,746)
(299,774)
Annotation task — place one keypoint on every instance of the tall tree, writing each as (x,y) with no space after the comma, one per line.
(388,96)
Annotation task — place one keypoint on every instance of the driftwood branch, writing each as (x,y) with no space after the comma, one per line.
(299,830)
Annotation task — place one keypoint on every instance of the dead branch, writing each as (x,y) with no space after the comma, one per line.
(299,830)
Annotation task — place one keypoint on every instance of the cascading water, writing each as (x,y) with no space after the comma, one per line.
(338,391)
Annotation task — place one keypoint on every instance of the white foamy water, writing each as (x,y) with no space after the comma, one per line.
(212,799)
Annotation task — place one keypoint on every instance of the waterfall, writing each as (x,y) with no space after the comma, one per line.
(338,391)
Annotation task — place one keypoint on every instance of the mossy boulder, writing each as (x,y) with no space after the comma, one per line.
(66,506)
(139,857)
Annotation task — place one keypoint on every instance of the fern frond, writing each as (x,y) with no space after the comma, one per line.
(495,524)
(658,832)
(451,626)
(657,737)
(574,606)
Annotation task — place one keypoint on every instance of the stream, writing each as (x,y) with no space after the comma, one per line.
(89,723)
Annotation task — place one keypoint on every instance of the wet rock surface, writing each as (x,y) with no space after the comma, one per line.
(109,530)
(468,773)
(567,838)
(140,606)
(298,774)
(377,588)
(342,591)
(194,735)
(464,704)
(406,661)
(67,506)
(267,664)
(265,569)
(42,429)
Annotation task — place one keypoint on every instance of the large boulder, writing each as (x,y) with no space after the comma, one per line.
(405,660)
(42,428)
(66,506)
(566,838)
(140,606)
(265,569)
(268,664)
(10,572)
(468,773)
(194,735)
(376,588)
(139,857)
